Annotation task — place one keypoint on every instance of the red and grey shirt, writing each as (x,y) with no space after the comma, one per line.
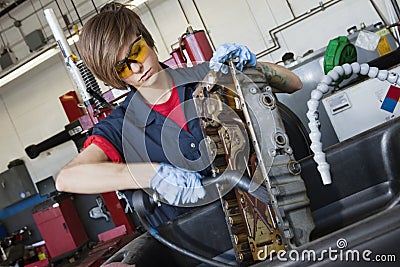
(135,132)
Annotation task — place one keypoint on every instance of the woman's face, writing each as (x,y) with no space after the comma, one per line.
(138,63)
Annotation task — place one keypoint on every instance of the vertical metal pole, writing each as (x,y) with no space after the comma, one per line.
(95,7)
(396,8)
(77,13)
(66,52)
(204,25)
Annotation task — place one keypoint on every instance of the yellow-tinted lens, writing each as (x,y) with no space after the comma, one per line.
(138,51)
(123,70)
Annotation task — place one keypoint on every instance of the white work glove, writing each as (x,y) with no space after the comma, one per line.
(239,54)
(177,186)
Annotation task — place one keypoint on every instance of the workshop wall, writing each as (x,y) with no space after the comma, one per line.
(31,112)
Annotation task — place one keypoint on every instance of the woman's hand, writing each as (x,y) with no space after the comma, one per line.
(177,186)
(239,54)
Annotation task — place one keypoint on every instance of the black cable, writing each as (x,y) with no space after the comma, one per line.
(141,211)
(154,233)
(396,9)
(66,22)
(204,24)
(382,17)
(95,7)
(4,43)
(290,8)
(77,13)
(184,13)
(37,16)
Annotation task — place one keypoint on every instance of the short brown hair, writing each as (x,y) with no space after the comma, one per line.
(102,37)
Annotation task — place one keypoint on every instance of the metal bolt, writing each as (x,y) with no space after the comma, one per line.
(294,167)
(288,150)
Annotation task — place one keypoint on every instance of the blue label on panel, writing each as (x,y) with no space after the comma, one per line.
(389,104)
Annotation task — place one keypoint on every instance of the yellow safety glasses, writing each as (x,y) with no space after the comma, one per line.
(137,53)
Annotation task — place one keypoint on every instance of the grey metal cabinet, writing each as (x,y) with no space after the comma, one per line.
(15,184)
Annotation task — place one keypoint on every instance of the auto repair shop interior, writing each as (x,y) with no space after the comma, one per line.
(323,158)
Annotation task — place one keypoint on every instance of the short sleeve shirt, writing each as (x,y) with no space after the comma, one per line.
(134,132)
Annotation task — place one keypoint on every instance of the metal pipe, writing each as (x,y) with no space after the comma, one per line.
(396,8)
(2,40)
(11,7)
(203,23)
(95,7)
(24,18)
(255,22)
(37,16)
(77,13)
(65,50)
(382,17)
(57,32)
(89,14)
(274,31)
(377,10)
(156,24)
(290,8)
(183,11)
(66,23)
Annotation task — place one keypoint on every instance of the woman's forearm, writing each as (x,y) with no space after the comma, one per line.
(280,78)
(91,178)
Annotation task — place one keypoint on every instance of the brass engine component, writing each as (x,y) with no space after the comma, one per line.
(244,132)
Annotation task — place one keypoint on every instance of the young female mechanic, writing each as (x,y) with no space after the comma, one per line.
(120,51)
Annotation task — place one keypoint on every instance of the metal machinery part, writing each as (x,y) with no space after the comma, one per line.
(244,132)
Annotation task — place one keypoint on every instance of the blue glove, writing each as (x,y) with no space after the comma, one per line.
(239,54)
(177,186)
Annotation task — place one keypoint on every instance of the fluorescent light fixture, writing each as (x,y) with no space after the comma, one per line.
(136,2)
(28,66)
(34,62)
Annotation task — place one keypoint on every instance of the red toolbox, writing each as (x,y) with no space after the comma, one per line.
(59,225)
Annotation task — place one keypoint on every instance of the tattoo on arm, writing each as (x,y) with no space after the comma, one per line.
(273,77)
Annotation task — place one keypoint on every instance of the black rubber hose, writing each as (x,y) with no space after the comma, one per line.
(138,197)
(234,178)
(241,181)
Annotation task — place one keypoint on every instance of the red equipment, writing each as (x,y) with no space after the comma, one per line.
(59,225)
(113,204)
(197,47)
